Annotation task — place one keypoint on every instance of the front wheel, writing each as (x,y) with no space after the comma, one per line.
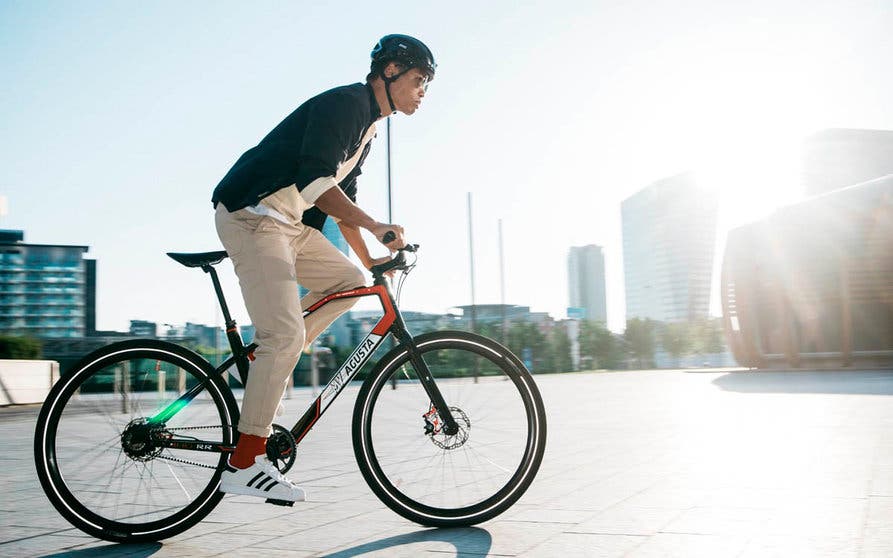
(442,480)
(113,472)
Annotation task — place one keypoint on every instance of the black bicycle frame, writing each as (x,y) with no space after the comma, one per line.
(391,322)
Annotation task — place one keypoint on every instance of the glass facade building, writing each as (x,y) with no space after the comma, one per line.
(44,289)
(669,237)
(586,282)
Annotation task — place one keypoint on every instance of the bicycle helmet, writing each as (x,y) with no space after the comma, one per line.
(405,50)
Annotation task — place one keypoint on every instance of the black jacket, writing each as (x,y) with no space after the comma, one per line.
(310,143)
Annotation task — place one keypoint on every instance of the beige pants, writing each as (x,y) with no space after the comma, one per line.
(271,258)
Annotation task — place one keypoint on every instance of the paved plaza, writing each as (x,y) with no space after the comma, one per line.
(683,463)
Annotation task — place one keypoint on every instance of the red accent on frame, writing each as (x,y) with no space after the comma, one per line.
(389,313)
(378,290)
(312,422)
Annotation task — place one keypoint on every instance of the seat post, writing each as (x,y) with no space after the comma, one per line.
(232,335)
(226,317)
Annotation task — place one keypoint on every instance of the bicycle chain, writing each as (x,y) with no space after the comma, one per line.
(186,461)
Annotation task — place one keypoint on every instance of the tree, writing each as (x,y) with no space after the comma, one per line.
(19,348)
(677,339)
(639,337)
(708,336)
(560,351)
(600,346)
(523,335)
(212,354)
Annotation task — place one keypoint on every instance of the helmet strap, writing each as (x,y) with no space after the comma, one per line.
(387,86)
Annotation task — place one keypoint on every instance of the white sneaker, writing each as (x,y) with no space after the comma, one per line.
(263,480)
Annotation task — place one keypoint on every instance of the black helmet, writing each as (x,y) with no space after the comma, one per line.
(405,50)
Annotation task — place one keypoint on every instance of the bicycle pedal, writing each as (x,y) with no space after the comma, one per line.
(288,503)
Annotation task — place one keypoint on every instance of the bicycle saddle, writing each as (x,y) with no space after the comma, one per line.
(199,259)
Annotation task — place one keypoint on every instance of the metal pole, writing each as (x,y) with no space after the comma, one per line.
(502,284)
(471,260)
(390,217)
(471,265)
(390,214)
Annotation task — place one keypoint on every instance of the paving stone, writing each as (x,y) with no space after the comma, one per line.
(625,519)
(649,463)
(585,545)
(682,545)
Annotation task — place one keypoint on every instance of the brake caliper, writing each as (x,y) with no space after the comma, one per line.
(432,422)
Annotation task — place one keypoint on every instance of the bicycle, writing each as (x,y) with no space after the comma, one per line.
(131,442)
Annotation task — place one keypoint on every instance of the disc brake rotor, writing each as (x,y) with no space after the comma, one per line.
(434,429)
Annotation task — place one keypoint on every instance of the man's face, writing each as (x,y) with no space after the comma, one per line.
(407,91)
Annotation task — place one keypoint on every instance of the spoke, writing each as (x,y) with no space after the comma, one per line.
(470,470)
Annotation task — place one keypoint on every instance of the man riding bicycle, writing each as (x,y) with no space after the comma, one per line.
(270,209)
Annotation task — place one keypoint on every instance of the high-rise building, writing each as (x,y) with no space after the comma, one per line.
(43,288)
(669,233)
(837,158)
(586,282)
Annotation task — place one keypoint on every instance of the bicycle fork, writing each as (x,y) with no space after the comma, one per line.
(451,427)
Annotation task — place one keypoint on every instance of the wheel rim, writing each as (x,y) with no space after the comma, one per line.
(96,456)
(469,476)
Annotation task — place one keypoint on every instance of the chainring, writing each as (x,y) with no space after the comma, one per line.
(282,449)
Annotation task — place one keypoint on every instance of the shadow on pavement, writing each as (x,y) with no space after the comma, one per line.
(466,540)
(856,382)
(128,550)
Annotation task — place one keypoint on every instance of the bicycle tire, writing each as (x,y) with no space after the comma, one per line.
(442,481)
(126,491)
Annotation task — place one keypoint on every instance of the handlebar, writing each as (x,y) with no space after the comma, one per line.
(391,236)
(397,262)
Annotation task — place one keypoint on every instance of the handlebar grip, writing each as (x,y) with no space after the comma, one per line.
(389,237)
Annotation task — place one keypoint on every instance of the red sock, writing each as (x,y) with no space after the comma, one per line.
(247,448)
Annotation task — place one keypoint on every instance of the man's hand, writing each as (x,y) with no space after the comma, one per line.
(381,229)
(379,261)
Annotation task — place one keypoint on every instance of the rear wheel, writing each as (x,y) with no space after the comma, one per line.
(443,480)
(100,459)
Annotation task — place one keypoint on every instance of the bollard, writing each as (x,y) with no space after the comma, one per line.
(314,370)
(122,378)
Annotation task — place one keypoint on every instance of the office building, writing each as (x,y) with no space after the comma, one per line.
(669,233)
(837,158)
(44,288)
(143,328)
(586,283)
(205,335)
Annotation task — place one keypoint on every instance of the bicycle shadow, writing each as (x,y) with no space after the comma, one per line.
(138,550)
(465,540)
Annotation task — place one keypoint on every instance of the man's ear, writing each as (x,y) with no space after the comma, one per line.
(392,69)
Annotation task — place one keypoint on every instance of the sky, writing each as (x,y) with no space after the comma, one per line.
(119,118)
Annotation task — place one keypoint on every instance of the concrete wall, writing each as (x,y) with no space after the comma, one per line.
(26,381)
